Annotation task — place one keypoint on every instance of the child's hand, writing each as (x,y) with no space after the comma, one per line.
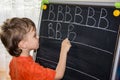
(60,69)
(65,45)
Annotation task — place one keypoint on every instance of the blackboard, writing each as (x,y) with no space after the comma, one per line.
(93,33)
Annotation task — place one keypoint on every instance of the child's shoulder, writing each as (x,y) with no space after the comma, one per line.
(21,59)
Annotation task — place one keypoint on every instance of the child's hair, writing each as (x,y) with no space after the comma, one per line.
(13,31)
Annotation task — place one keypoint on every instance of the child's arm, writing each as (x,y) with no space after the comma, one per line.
(60,69)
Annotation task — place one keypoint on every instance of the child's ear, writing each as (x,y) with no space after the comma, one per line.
(22,44)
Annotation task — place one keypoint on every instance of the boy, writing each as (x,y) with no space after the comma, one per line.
(19,37)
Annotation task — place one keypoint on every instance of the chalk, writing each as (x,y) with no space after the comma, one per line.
(116,13)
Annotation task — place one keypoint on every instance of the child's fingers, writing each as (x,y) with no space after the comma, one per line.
(67,41)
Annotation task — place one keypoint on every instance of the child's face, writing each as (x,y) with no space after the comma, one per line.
(32,40)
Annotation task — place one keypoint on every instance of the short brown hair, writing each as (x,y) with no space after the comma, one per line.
(13,31)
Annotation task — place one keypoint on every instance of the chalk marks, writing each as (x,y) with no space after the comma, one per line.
(89,17)
(92,31)
(63,21)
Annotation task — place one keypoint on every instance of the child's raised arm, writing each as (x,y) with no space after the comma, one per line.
(60,69)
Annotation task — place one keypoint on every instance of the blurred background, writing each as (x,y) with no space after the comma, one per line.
(15,8)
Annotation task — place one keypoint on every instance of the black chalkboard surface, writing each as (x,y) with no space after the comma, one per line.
(93,32)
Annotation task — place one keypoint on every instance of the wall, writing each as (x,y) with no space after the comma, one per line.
(21,8)
(15,8)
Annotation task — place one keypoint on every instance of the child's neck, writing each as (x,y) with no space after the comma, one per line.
(25,53)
